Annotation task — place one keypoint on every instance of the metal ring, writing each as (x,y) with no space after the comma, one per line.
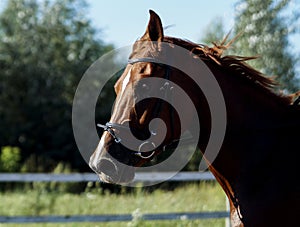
(140,153)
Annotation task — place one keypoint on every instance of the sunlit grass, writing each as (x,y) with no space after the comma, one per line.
(187,198)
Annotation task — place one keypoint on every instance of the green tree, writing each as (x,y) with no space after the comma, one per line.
(45,48)
(214,31)
(265,28)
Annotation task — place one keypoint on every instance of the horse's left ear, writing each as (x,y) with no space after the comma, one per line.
(154,30)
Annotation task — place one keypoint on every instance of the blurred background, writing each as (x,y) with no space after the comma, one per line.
(47,45)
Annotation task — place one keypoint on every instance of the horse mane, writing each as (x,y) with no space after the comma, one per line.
(234,63)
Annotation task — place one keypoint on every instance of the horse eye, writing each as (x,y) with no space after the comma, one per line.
(142,70)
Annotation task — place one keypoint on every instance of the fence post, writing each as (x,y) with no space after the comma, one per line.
(227,220)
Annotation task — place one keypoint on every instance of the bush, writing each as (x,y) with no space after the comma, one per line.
(10,159)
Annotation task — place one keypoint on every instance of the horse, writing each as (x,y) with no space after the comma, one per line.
(257,162)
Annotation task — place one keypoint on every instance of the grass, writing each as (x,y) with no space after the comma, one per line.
(193,197)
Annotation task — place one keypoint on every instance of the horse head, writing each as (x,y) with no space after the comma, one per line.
(141,124)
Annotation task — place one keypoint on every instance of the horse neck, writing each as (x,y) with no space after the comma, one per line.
(256,122)
(253,113)
(249,105)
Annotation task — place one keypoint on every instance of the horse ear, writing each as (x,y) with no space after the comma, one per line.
(154,30)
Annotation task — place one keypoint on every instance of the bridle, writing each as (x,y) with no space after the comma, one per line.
(167,89)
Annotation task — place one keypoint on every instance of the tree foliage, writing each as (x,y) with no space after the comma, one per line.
(45,48)
(214,31)
(265,32)
(264,28)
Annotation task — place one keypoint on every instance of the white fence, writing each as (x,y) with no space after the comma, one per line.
(88,177)
(91,177)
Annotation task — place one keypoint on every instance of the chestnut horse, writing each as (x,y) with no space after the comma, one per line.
(257,164)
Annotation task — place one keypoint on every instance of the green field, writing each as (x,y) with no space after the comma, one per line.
(193,197)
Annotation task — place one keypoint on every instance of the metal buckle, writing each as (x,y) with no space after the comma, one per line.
(108,128)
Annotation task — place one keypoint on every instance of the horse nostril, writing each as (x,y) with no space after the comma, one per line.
(107,167)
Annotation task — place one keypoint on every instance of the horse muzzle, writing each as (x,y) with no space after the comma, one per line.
(110,171)
(108,168)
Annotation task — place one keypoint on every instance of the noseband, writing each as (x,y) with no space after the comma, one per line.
(110,127)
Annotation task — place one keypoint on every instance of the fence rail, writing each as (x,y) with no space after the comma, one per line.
(87,177)
(91,177)
(112,218)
